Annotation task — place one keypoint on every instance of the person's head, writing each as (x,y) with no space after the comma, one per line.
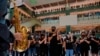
(53,28)
(42,36)
(83,34)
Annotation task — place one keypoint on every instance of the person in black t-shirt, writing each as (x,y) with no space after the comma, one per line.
(43,45)
(32,49)
(94,44)
(54,42)
(59,44)
(69,45)
(53,45)
(84,44)
(77,47)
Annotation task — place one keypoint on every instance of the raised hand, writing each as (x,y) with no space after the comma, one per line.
(18,36)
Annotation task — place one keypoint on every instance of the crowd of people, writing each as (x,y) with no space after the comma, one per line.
(56,43)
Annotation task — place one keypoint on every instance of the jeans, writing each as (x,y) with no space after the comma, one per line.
(32,51)
(69,52)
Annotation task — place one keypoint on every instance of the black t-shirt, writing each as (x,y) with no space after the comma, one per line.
(84,45)
(69,44)
(53,42)
(32,45)
(74,39)
(94,45)
(50,34)
(42,45)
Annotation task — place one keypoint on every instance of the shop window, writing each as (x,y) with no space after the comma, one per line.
(72,8)
(77,7)
(48,11)
(85,6)
(96,3)
(86,15)
(79,16)
(99,3)
(90,14)
(91,4)
(51,10)
(97,13)
(62,8)
(57,9)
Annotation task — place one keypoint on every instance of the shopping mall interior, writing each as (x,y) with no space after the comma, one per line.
(67,16)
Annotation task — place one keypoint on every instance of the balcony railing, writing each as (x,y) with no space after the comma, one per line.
(89,20)
(82,9)
(70,10)
(26,10)
(50,13)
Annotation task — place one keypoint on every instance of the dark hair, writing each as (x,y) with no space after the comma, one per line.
(53,28)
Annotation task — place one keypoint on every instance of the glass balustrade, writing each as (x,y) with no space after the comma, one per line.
(50,22)
(68,11)
(89,19)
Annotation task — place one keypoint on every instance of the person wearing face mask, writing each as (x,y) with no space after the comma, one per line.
(69,41)
(84,44)
(43,45)
(53,42)
(94,42)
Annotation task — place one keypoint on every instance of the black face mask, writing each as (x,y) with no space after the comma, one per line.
(53,30)
(83,35)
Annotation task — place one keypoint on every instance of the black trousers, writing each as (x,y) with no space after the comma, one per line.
(24,53)
(54,52)
(84,52)
(43,50)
